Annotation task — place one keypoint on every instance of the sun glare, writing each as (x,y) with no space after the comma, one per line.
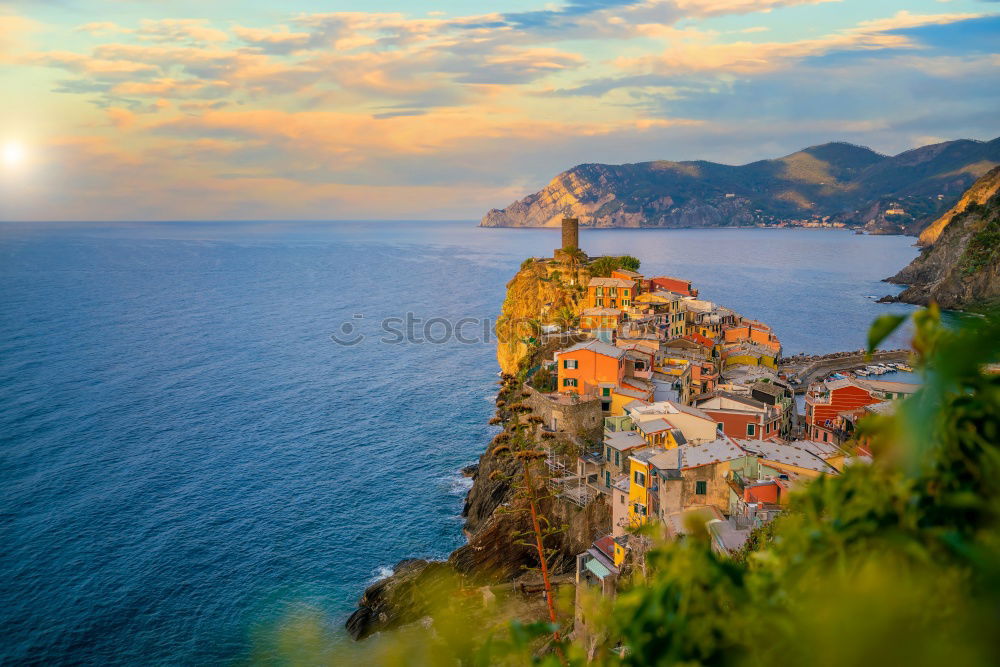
(13,154)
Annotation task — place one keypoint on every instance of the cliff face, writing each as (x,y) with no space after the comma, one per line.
(960,266)
(850,183)
(542,292)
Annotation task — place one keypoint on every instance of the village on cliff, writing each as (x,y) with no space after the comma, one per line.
(698,425)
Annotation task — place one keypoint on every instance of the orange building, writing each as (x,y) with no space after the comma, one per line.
(752,332)
(622,274)
(610,293)
(591,368)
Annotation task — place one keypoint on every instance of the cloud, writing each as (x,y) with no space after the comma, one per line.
(383,114)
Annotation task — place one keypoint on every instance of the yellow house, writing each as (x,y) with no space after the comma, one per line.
(619,551)
(622,396)
(640,484)
(749,354)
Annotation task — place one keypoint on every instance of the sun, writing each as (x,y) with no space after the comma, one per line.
(13,154)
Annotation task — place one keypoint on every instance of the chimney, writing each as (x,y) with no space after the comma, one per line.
(570,233)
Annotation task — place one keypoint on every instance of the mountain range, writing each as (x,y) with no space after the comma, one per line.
(835,182)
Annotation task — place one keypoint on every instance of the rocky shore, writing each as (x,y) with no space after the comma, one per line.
(959,267)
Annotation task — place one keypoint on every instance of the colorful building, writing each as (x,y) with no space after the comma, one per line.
(610,293)
(590,368)
(692,425)
(741,416)
(753,332)
(826,400)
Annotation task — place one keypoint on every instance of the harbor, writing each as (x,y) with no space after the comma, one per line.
(801,370)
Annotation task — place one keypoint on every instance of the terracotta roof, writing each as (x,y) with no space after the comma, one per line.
(701,340)
(606,545)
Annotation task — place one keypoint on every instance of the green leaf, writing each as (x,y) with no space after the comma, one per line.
(882,328)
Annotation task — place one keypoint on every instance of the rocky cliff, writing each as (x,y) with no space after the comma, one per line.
(848,183)
(542,292)
(960,264)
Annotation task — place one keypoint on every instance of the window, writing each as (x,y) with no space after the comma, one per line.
(605,391)
(625,292)
(751,429)
(618,458)
(571,364)
(701,488)
(599,291)
(608,454)
(569,382)
(607,478)
(824,436)
(612,291)
(626,303)
(599,302)
(721,426)
(639,510)
(640,478)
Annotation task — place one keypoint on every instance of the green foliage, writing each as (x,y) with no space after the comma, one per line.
(630,263)
(603,266)
(983,248)
(543,380)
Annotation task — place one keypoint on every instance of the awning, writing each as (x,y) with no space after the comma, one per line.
(594,566)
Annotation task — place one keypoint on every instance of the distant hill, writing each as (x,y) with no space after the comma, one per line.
(838,181)
(959,266)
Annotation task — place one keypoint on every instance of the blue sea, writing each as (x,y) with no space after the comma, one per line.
(191,464)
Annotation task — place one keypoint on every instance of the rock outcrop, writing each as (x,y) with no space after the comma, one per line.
(959,266)
(542,292)
(851,184)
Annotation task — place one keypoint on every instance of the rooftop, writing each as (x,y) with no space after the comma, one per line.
(717,451)
(630,274)
(624,440)
(610,282)
(595,346)
(788,455)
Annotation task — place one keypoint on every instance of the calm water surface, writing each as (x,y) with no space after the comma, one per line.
(189,463)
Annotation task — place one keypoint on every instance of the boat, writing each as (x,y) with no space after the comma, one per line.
(906,368)
(862,372)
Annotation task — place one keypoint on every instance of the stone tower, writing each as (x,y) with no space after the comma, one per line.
(570,233)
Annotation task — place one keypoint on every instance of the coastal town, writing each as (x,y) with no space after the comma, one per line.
(676,413)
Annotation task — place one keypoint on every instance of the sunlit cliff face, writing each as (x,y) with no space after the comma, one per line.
(270,110)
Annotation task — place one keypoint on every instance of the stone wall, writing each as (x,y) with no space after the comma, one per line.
(570,413)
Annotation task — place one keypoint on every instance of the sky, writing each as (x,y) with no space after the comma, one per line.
(323,109)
